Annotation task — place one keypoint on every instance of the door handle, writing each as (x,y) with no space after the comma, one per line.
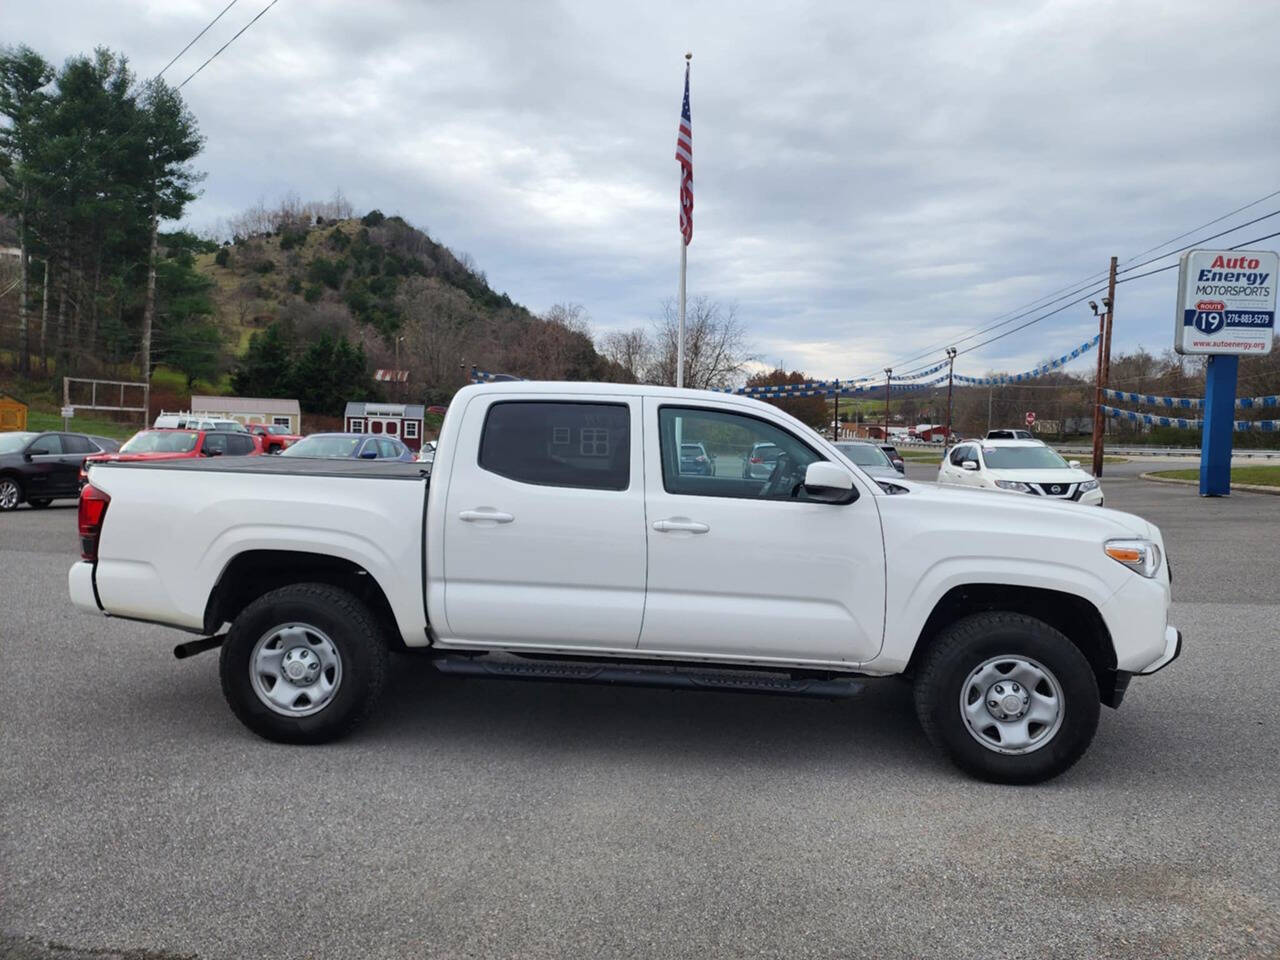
(485,513)
(680,524)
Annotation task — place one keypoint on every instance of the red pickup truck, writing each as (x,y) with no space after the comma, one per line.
(177,445)
(274,437)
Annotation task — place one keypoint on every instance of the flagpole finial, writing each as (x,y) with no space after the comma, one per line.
(689,56)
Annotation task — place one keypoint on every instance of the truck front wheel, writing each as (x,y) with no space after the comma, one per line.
(1007,697)
(303,664)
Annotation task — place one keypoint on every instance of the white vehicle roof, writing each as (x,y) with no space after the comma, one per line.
(1005,443)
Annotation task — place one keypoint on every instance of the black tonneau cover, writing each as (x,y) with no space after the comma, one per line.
(300,466)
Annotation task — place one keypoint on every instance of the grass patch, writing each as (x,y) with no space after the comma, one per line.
(1261,476)
(39,421)
(921,456)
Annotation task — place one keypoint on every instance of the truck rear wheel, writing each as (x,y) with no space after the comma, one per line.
(303,664)
(1007,697)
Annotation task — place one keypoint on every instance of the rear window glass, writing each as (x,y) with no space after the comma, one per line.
(161,441)
(559,444)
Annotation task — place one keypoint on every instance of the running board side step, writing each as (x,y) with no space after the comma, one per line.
(635,676)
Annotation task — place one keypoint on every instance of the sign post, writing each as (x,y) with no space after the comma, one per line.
(1226,307)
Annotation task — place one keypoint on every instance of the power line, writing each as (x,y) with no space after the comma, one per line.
(1124,280)
(1274,193)
(228,43)
(1196,243)
(194,39)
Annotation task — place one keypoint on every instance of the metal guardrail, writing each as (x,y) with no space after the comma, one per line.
(1119,451)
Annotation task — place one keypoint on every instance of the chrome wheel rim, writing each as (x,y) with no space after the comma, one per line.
(295,669)
(8,494)
(1012,705)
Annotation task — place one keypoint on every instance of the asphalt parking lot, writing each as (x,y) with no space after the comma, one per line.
(498,819)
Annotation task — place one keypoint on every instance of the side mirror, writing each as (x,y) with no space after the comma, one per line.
(1073,464)
(211,453)
(829,483)
(900,466)
(969,465)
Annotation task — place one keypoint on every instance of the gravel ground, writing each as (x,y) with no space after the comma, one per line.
(495,819)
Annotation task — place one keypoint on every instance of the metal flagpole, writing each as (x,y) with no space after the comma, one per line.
(684,155)
(684,262)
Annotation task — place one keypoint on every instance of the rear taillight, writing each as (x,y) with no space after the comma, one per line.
(756,460)
(93,507)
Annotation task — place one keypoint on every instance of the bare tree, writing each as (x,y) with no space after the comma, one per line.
(438,321)
(631,350)
(715,345)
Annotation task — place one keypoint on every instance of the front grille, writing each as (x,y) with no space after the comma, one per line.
(1064,491)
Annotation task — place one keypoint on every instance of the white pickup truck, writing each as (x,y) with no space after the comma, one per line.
(561,535)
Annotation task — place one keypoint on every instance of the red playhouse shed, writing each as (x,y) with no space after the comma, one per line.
(400,420)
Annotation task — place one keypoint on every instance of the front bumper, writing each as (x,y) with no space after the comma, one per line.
(1172,650)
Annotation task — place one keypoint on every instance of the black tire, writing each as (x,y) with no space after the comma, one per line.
(351,628)
(41,503)
(974,640)
(10,497)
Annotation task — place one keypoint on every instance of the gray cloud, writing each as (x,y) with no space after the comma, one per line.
(870,179)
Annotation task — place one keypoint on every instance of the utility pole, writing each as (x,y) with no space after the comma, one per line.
(990,389)
(1104,365)
(888,385)
(951,369)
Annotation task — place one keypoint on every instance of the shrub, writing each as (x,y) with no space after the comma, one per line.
(264,266)
(314,293)
(291,237)
(222,257)
(337,240)
(294,284)
(372,218)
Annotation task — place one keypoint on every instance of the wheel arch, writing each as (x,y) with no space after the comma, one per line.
(253,573)
(1072,615)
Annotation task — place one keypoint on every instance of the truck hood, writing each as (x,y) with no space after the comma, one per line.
(978,503)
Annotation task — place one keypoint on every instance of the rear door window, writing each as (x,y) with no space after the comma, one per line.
(76,443)
(48,445)
(558,444)
(214,443)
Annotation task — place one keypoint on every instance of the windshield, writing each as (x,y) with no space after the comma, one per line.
(323,445)
(864,454)
(161,441)
(1022,458)
(14,442)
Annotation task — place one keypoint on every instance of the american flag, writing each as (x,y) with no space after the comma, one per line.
(684,154)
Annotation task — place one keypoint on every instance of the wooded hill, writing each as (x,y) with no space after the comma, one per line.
(312,306)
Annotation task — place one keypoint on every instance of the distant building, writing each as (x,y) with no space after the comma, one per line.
(404,421)
(13,413)
(280,413)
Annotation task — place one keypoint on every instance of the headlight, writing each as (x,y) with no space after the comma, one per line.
(1142,556)
(1088,485)
(1013,485)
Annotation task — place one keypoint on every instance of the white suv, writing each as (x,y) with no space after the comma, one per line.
(1018,466)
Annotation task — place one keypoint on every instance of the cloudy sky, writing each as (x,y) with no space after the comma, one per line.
(873,180)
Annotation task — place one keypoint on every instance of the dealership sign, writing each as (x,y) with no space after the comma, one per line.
(1226,302)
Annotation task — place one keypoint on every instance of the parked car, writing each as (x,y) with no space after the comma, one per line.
(428,452)
(1019,466)
(38,468)
(870,457)
(177,445)
(760,461)
(275,438)
(349,446)
(105,444)
(558,540)
(694,460)
(894,456)
(1010,433)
